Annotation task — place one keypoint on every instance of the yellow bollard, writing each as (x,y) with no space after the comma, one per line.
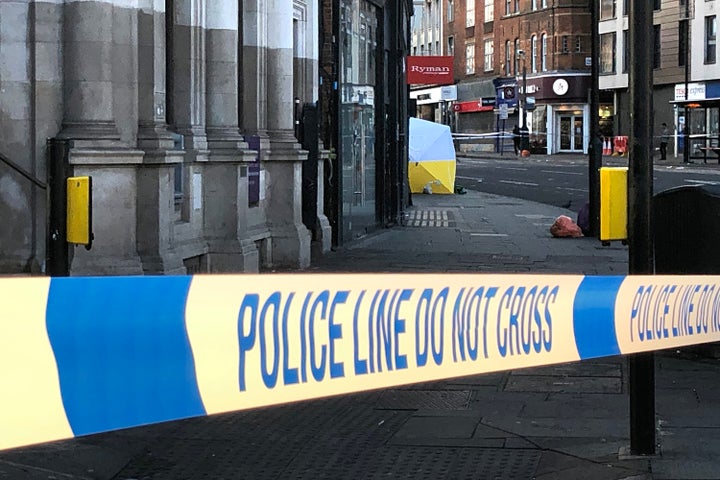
(613,204)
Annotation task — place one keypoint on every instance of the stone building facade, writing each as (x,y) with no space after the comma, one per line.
(181,111)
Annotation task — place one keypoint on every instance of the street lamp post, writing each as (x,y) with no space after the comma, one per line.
(523,124)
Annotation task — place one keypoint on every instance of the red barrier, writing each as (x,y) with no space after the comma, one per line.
(620,145)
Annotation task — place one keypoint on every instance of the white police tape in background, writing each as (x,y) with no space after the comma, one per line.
(87,355)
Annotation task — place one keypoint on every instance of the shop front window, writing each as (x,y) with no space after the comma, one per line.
(538,127)
(358,59)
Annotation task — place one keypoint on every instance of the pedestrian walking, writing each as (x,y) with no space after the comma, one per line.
(516,139)
(664,139)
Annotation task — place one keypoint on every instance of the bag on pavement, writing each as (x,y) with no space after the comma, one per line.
(565,227)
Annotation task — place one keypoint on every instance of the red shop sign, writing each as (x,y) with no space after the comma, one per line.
(437,70)
(472,107)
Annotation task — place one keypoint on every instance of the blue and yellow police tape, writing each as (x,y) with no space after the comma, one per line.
(87,355)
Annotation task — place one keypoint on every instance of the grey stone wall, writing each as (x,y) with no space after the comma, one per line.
(30,111)
(94,72)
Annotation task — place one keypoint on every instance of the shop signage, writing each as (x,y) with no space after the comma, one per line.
(425,69)
(473,106)
(503,111)
(448,93)
(696,91)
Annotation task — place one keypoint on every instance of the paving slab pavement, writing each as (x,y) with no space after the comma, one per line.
(568,421)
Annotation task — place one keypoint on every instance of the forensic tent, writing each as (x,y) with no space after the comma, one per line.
(431,158)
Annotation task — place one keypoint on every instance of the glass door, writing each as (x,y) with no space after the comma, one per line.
(358,60)
(571,133)
(565,130)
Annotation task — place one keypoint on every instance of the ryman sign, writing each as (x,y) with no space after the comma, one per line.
(436,70)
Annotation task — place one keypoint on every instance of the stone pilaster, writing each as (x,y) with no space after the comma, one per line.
(114,212)
(225,175)
(323,234)
(253,114)
(155,176)
(188,71)
(156,214)
(290,237)
(91,50)
(88,117)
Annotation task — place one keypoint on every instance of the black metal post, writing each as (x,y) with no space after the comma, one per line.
(641,366)
(58,259)
(524,96)
(686,110)
(594,146)
(523,119)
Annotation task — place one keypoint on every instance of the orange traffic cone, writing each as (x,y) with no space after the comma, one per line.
(606,147)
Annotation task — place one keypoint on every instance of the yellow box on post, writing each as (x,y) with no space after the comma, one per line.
(613,203)
(79,211)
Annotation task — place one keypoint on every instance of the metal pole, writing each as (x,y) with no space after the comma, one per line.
(524,95)
(523,125)
(641,366)
(58,260)
(686,110)
(595,150)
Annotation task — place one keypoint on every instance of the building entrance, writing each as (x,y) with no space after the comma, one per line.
(571,133)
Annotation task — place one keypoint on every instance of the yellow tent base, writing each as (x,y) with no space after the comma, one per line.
(437,175)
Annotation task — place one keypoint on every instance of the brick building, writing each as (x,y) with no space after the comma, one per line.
(494,43)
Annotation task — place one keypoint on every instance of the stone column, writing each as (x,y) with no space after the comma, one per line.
(253,112)
(225,195)
(254,72)
(155,187)
(187,120)
(189,75)
(93,48)
(283,167)
(307,80)
(87,74)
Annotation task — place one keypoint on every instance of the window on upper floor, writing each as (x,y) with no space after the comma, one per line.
(450,10)
(469,59)
(489,55)
(607,9)
(710,36)
(508,58)
(578,44)
(534,5)
(656,4)
(470,14)
(489,10)
(451,46)
(517,6)
(656,47)
(564,44)
(533,53)
(607,53)
(516,49)
(543,52)
(508,7)
(625,51)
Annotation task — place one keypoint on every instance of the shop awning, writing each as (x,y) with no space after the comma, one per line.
(695,102)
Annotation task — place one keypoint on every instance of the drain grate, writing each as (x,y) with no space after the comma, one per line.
(417,399)
(429,218)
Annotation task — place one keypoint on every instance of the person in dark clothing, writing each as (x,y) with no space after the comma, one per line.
(524,139)
(664,139)
(516,139)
